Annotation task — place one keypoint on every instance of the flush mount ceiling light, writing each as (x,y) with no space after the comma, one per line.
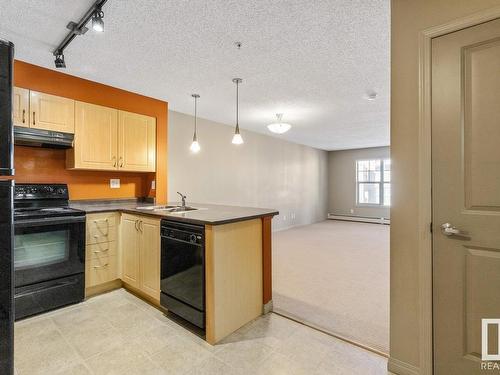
(97,21)
(195,146)
(279,127)
(78,28)
(237,139)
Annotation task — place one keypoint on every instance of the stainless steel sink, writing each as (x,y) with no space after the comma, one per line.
(152,208)
(168,208)
(181,209)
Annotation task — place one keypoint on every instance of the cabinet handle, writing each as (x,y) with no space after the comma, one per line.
(136,222)
(101,251)
(96,221)
(34,118)
(121,162)
(24,116)
(114,161)
(103,266)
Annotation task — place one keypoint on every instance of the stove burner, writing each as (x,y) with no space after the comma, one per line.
(42,201)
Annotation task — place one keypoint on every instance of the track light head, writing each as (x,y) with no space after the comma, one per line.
(59,60)
(97,21)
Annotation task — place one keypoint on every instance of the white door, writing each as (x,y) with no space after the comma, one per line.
(466,195)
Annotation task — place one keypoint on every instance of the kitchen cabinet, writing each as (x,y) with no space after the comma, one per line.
(101,259)
(52,112)
(96,138)
(140,247)
(20,106)
(129,245)
(43,111)
(109,139)
(136,142)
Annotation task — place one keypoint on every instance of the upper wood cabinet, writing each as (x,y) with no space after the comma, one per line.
(43,111)
(20,106)
(96,140)
(136,142)
(52,112)
(109,139)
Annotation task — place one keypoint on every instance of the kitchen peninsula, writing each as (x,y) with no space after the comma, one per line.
(127,244)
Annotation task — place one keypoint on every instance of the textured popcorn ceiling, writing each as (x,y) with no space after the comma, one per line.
(312,60)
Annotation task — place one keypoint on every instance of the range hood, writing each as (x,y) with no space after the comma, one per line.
(42,138)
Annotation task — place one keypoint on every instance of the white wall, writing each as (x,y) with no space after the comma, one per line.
(342,182)
(263,172)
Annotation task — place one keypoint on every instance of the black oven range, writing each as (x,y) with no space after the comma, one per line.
(49,249)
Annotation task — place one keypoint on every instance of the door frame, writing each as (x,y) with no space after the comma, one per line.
(425,266)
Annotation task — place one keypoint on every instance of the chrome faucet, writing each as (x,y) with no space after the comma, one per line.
(183,197)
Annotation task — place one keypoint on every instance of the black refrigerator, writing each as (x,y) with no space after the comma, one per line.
(6,211)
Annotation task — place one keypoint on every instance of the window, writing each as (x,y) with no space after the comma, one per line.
(373,178)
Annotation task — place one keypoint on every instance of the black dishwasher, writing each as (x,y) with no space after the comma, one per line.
(183,270)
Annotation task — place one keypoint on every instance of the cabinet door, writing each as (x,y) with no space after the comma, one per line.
(150,257)
(130,243)
(20,106)
(51,112)
(96,137)
(137,142)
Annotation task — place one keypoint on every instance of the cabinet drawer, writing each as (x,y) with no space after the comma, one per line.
(102,221)
(98,235)
(101,270)
(100,250)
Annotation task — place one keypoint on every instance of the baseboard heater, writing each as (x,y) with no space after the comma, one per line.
(376,220)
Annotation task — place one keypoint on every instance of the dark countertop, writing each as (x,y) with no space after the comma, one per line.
(211,214)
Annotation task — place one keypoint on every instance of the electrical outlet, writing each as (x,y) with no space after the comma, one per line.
(153,185)
(114,183)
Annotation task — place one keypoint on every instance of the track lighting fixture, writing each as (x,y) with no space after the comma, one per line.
(97,21)
(59,60)
(237,139)
(195,146)
(78,28)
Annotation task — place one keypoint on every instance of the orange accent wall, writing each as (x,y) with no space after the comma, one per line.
(48,165)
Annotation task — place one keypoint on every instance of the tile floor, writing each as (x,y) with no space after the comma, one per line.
(117,333)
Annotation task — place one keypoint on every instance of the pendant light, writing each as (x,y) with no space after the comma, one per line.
(195,146)
(237,139)
(279,127)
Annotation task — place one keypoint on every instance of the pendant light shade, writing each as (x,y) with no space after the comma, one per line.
(237,138)
(279,127)
(195,146)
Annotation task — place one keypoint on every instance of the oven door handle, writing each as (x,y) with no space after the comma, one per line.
(49,221)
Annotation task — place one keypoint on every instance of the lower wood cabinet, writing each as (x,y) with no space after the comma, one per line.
(140,253)
(101,260)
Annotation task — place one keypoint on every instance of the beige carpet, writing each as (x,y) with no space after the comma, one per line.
(335,275)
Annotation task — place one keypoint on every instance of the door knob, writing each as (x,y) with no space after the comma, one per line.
(449,230)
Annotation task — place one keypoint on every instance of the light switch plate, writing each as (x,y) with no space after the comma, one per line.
(114,183)
(153,185)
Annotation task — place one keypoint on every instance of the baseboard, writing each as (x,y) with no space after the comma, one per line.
(145,297)
(397,367)
(268,307)
(375,220)
(103,288)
